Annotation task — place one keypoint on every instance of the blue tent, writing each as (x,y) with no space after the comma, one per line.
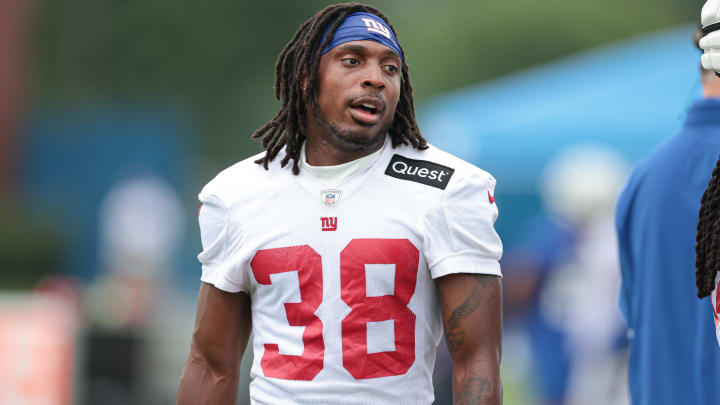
(627,96)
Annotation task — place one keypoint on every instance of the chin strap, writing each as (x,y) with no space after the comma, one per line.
(710,28)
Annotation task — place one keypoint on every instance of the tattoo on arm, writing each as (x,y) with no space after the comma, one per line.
(472,392)
(455,338)
(468,307)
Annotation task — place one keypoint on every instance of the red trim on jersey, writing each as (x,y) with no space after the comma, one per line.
(716,307)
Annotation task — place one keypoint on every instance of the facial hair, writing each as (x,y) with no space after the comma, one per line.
(347,140)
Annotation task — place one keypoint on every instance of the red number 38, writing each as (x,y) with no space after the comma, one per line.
(353,258)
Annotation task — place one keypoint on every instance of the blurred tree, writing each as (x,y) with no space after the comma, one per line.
(15,23)
(31,245)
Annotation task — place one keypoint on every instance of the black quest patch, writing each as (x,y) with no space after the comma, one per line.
(419,171)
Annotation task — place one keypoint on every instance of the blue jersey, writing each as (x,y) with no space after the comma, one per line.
(674,355)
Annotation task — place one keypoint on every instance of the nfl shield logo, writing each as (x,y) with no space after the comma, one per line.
(330,197)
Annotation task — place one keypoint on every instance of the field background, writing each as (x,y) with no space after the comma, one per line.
(103,103)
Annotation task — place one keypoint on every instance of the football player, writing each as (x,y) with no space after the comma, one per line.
(707,277)
(706,264)
(348,243)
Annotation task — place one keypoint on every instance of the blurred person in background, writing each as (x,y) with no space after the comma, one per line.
(671,336)
(140,225)
(563,280)
(348,242)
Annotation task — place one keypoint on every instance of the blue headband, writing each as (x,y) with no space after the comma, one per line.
(363,26)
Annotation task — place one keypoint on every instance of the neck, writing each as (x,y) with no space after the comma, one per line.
(324,148)
(320,152)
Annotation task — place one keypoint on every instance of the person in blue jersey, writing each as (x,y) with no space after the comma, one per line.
(672,356)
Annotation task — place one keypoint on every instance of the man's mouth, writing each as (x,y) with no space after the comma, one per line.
(367,109)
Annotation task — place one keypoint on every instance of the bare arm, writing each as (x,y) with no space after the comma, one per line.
(222,328)
(472,316)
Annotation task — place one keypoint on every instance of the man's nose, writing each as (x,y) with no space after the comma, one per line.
(374,77)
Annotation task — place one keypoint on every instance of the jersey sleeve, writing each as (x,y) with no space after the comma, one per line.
(216,234)
(459,236)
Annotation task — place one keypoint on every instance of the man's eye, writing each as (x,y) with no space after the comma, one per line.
(351,61)
(392,68)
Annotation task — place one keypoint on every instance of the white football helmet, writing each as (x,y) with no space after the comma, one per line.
(710,43)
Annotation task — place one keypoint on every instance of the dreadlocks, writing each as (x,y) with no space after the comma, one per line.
(301,56)
(707,247)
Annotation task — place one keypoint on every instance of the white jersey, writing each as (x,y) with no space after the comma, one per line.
(340,277)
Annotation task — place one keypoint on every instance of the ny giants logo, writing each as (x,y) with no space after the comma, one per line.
(329,223)
(374,26)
